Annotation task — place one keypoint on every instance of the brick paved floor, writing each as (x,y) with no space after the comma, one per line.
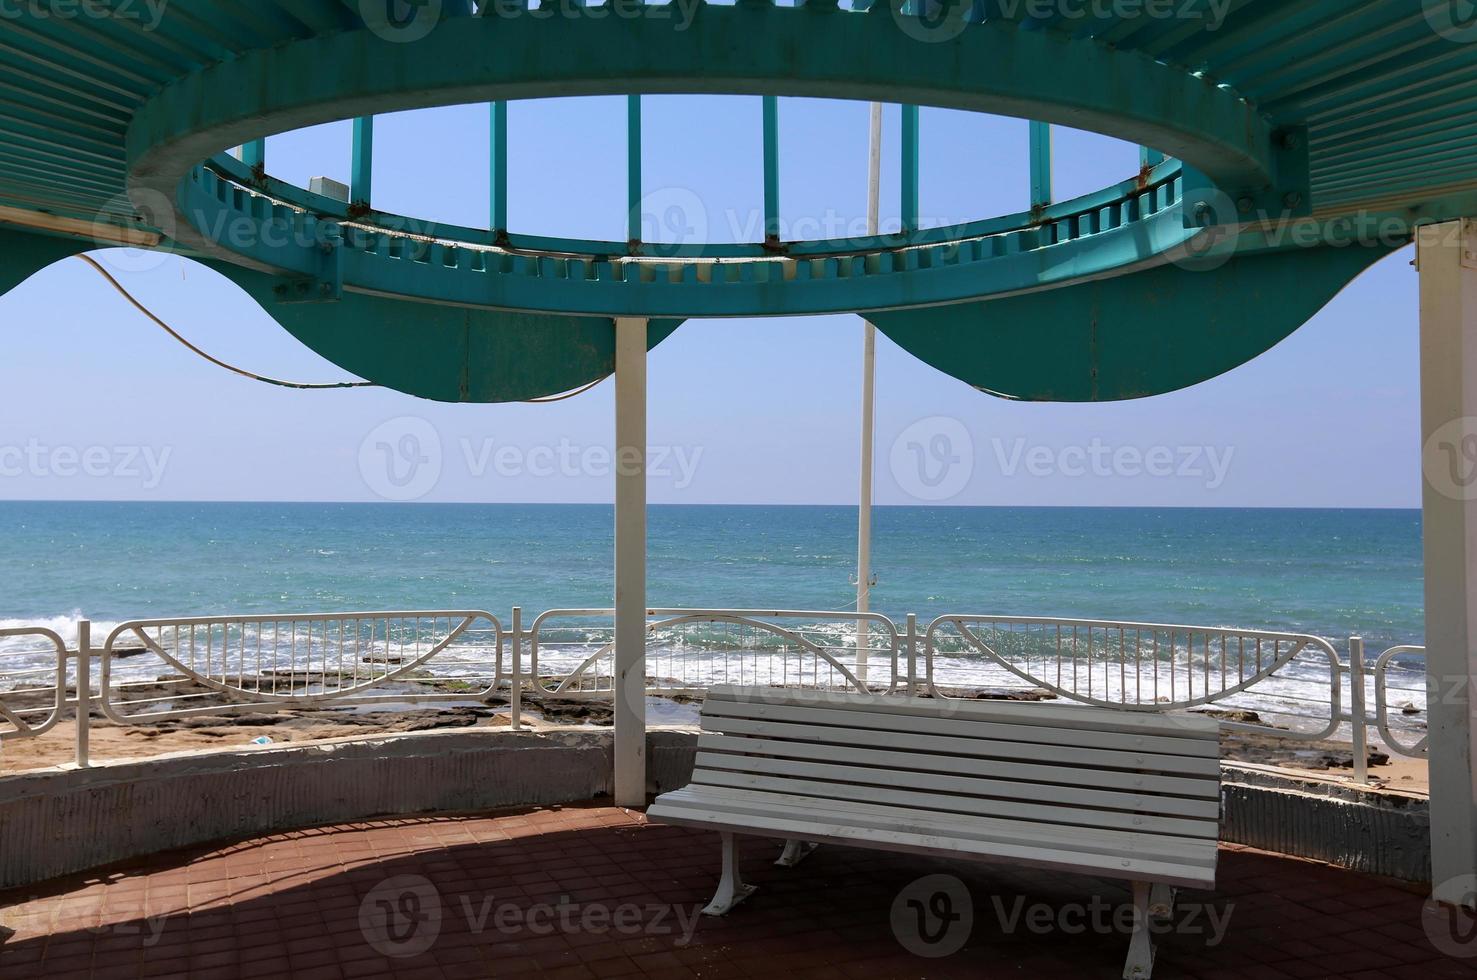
(594,891)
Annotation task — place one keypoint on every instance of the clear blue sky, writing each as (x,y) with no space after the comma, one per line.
(754,411)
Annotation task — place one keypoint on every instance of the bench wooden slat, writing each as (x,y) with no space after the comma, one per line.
(828,729)
(1116,843)
(882,759)
(1059,716)
(834,782)
(1177,744)
(1206,808)
(690,811)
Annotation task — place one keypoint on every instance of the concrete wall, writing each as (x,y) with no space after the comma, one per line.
(1374,831)
(60,821)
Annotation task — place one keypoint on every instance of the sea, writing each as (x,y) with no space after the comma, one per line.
(1333,573)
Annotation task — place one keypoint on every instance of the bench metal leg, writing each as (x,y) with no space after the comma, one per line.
(1152,904)
(795,851)
(731,887)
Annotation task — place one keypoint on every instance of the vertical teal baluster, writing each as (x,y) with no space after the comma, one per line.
(1149,157)
(1041,196)
(361,175)
(499,169)
(633,168)
(771,169)
(909,171)
(254,154)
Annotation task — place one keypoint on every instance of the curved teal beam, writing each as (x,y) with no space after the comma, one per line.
(25,253)
(1133,336)
(444,353)
(745,49)
(1162,181)
(1108,236)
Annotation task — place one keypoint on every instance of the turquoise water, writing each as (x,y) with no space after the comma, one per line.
(1334,573)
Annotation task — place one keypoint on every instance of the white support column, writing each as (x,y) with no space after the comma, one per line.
(1448,277)
(630,561)
(868,415)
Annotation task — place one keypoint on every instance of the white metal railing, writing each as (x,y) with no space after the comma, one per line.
(213,664)
(33,682)
(572,651)
(1144,666)
(1292,685)
(1393,677)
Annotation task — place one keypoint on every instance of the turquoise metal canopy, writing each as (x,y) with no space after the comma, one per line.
(1289,144)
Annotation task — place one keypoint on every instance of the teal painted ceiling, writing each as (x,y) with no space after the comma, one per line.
(1357,113)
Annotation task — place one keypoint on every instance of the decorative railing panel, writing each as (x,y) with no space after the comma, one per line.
(1144,667)
(1400,676)
(33,681)
(572,651)
(169,668)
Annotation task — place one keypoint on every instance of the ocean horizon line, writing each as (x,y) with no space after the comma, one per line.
(754,504)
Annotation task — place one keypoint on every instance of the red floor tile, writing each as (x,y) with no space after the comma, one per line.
(593,892)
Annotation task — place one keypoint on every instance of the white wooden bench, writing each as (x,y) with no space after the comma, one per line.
(1116,794)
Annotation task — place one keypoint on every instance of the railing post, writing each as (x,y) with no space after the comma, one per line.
(84,690)
(515,697)
(1358,709)
(912,652)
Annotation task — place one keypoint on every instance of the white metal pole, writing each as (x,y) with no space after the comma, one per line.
(1359,710)
(1447,258)
(515,693)
(869,416)
(84,691)
(630,561)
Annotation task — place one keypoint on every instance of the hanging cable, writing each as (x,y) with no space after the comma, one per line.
(214,360)
(568,394)
(273,381)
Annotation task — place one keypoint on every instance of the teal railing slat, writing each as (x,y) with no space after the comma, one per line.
(771,169)
(361,171)
(1041,192)
(909,170)
(499,168)
(633,168)
(254,154)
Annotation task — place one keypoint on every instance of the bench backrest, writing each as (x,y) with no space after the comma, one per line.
(1076,767)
